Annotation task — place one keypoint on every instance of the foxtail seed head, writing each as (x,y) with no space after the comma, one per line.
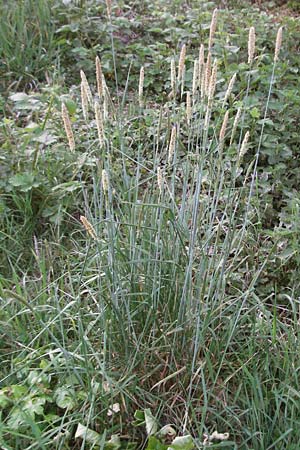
(68,127)
(172,144)
(195,77)
(99,123)
(173,77)
(86,87)
(235,124)
(108,8)
(181,63)
(84,101)
(251,45)
(212,82)
(201,64)
(105,181)
(278,44)
(229,89)
(207,73)
(212,29)
(223,131)
(160,181)
(141,86)
(88,227)
(99,77)
(188,107)
(244,145)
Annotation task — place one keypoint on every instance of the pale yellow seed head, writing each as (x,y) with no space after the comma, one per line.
(108,8)
(212,82)
(99,77)
(195,77)
(84,101)
(68,127)
(243,148)
(251,45)
(173,77)
(141,86)
(235,124)
(105,181)
(201,55)
(188,107)
(181,63)
(201,64)
(212,29)
(88,227)
(223,131)
(229,88)
(160,181)
(87,87)
(207,73)
(99,123)
(172,145)
(278,44)
(182,81)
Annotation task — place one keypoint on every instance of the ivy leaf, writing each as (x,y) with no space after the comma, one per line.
(65,398)
(34,406)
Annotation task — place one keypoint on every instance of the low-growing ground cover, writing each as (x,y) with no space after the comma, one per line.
(150,227)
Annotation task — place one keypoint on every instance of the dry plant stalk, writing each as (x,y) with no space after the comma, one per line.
(212,29)
(105,181)
(181,63)
(188,107)
(235,124)
(84,101)
(141,86)
(229,89)
(86,87)
(99,77)
(68,127)
(88,226)
(99,123)
(278,44)
(172,144)
(251,45)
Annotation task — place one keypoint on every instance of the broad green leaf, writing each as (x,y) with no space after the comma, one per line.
(182,443)
(25,181)
(65,398)
(155,444)
(90,436)
(151,424)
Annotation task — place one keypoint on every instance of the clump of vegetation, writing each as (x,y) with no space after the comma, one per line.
(150,246)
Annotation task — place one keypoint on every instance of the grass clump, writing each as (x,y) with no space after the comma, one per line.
(149,300)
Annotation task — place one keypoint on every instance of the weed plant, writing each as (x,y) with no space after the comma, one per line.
(154,299)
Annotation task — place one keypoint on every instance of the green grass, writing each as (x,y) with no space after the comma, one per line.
(187,301)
